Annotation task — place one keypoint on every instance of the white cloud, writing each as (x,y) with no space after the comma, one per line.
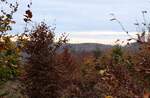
(88,40)
(86,20)
(100,37)
(99,33)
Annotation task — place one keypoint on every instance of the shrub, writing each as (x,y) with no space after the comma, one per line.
(42,76)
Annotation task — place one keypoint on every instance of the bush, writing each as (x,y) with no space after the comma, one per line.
(42,76)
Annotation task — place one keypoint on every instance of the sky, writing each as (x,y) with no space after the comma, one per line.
(86,21)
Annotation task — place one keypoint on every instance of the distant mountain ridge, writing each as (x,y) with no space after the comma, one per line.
(87,47)
(94,46)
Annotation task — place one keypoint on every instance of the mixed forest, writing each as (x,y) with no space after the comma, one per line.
(33,64)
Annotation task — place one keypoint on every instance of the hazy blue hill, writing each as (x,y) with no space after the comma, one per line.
(87,47)
(94,46)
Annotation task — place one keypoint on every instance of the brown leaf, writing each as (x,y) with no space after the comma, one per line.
(25,19)
(29,13)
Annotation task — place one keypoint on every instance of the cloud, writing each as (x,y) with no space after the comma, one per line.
(86,19)
(104,37)
(88,40)
(89,14)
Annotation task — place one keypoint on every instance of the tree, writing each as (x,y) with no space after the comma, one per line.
(10,53)
(6,18)
(117,54)
(142,66)
(139,63)
(70,71)
(42,76)
(115,78)
(97,53)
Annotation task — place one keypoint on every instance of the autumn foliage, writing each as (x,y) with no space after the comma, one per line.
(44,67)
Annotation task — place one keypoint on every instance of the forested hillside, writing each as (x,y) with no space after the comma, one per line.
(33,64)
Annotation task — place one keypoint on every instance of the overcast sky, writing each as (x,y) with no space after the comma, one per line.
(87,20)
